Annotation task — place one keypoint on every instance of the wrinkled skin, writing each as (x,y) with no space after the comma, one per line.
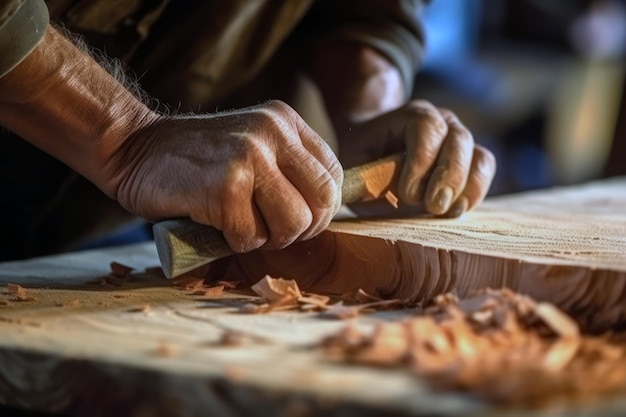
(445,172)
(261,175)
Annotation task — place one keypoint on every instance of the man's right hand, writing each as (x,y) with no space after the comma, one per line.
(260,174)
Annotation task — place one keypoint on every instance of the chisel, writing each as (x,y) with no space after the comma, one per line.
(184,245)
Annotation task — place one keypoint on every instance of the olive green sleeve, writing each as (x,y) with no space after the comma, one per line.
(22,25)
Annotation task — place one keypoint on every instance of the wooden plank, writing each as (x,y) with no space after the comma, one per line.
(89,349)
(566,246)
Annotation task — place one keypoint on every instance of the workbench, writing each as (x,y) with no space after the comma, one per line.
(79,345)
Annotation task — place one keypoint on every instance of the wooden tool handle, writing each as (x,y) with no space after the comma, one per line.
(372,180)
(184,245)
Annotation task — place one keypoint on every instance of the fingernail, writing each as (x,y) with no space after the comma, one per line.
(458,208)
(444,198)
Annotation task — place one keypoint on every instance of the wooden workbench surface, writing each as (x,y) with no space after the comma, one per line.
(146,348)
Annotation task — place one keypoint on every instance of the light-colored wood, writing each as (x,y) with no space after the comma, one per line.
(88,349)
(567,246)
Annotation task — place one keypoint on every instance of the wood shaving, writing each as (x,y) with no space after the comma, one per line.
(19,293)
(120,271)
(311,301)
(215,291)
(277,289)
(188,283)
(391,199)
(497,345)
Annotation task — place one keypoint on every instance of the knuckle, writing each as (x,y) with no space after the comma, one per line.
(463,136)
(424,112)
(277,105)
(447,113)
(485,161)
(291,230)
(242,241)
(280,108)
(278,120)
(247,150)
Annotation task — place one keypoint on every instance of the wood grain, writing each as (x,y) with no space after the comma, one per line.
(566,246)
(89,349)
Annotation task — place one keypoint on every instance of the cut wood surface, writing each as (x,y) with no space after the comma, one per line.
(86,346)
(566,246)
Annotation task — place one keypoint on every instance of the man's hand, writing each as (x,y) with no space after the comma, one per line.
(261,175)
(445,172)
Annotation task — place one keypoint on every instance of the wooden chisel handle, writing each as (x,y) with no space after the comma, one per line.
(184,245)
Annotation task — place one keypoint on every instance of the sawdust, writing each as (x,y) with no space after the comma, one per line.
(496,345)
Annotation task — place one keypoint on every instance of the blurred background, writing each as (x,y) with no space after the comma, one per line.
(541,83)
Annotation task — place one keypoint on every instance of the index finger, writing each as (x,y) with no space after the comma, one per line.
(424,133)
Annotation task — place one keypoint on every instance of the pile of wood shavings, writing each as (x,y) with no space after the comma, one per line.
(497,345)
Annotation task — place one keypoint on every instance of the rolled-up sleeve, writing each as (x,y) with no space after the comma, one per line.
(22,25)
(393,27)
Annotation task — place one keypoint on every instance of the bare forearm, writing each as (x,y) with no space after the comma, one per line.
(63,102)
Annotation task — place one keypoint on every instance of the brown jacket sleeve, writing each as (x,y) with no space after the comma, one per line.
(22,25)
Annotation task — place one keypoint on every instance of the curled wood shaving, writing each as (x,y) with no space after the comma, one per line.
(277,289)
(498,345)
